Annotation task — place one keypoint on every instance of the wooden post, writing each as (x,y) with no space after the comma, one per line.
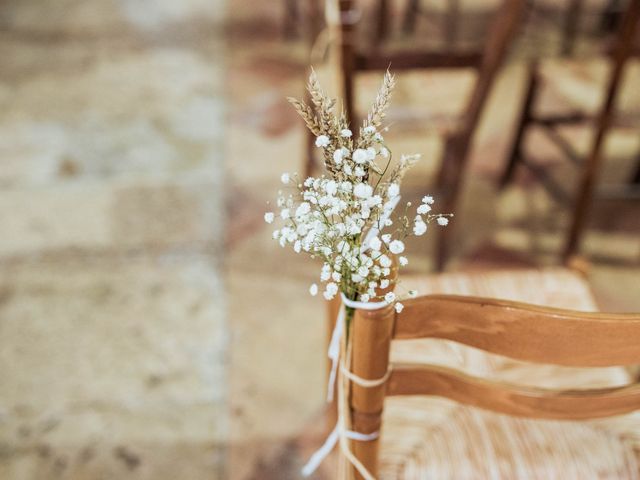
(371,341)
(371,336)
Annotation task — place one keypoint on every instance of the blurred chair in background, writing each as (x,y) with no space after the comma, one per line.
(536,379)
(487,61)
(602,122)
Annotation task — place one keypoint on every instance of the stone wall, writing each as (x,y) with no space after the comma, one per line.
(112,310)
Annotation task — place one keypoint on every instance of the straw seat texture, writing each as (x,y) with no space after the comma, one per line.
(434,438)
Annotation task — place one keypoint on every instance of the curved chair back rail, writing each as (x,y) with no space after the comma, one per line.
(524,332)
(513,400)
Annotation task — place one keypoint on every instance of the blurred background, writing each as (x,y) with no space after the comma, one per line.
(149,326)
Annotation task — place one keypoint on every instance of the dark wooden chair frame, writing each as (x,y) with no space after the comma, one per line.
(603,122)
(458,143)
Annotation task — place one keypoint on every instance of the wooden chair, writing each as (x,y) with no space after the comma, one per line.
(603,122)
(487,62)
(426,437)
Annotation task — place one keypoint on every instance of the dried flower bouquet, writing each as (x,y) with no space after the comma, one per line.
(340,217)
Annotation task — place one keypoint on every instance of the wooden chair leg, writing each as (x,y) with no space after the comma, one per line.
(451,23)
(570,30)
(635,179)
(290,18)
(592,166)
(410,15)
(348,21)
(372,331)
(382,22)
(526,116)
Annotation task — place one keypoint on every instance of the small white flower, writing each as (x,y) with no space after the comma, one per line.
(403,261)
(284,214)
(285,178)
(393,190)
(443,221)
(303,209)
(297,246)
(384,151)
(385,261)
(345,133)
(384,283)
(363,190)
(268,217)
(396,247)
(399,307)
(359,172)
(424,208)
(275,234)
(388,222)
(330,291)
(338,155)
(419,228)
(375,243)
(313,289)
(371,153)
(336,276)
(390,297)
(360,155)
(370,129)
(363,271)
(347,169)
(364,297)
(331,187)
(386,238)
(325,274)
(322,141)
(428,199)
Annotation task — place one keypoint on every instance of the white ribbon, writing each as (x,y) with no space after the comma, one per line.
(340,433)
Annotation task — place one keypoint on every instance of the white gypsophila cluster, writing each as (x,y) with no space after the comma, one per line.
(344,217)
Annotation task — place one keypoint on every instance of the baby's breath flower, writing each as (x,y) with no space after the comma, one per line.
(390,297)
(322,141)
(393,190)
(384,283)
(370,129)
(313,289)
(345,132)
(365,297)
(360,156)
(428,199)
(386,238)
(338,155)
(384,261)
(284,213)
(330,290)
(363,190)
(399,307)
(443,221)
(384,151)
(419,228)
(375,243)
(424,208)
(396,247)
(285,178)
(403,261)
(268,217)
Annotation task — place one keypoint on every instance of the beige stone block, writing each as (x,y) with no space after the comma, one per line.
(112,367)
(110,215)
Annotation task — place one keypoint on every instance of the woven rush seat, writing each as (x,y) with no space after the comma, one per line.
(435,438)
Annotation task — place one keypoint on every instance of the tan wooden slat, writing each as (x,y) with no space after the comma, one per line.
(524,332)
(513,400)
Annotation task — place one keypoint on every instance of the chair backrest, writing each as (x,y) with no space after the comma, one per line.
(517,330)
(486,59)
